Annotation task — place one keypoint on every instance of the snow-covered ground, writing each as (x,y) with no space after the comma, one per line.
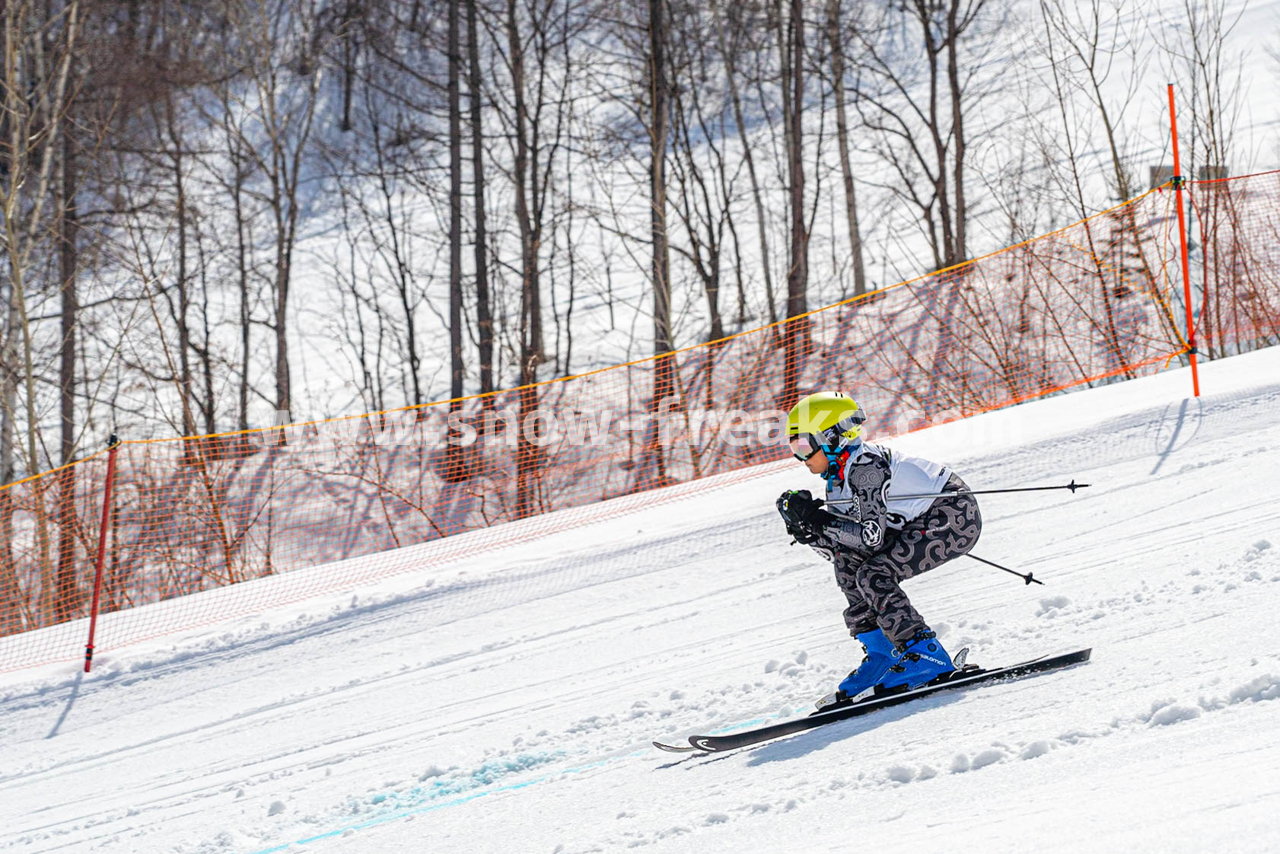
(506,702)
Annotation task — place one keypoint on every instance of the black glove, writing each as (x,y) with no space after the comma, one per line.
(803,514)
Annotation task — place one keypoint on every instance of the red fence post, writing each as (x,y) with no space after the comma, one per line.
(114,445)
(1178,183)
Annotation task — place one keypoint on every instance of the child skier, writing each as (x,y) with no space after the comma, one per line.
(875,539)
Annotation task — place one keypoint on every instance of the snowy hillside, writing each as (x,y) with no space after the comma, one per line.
(507,703)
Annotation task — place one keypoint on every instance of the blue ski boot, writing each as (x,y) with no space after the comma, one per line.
(922,660)
(880,656)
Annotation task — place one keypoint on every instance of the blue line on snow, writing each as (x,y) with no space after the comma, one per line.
(403,813)
(418,810)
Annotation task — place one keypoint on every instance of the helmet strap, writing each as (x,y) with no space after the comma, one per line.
(835,466)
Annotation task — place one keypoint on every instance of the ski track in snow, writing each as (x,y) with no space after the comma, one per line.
(508,701)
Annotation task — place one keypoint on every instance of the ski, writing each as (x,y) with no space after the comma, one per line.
(965,678)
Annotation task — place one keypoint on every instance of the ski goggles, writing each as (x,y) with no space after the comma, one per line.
(804,446)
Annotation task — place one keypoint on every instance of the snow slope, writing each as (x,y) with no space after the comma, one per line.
(506,703)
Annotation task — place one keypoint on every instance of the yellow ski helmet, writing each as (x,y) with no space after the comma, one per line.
(828,419)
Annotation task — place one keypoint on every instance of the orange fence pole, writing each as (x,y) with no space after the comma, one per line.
(1178,183)
(114,444)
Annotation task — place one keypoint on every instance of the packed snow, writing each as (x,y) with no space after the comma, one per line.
(506,701)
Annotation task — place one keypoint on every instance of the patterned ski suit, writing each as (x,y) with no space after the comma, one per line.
(878,541)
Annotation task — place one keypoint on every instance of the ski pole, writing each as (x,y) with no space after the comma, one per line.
(1073,486)
(1028,578)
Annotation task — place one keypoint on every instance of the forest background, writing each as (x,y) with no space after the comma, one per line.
(225,215)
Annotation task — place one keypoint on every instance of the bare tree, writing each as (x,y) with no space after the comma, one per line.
(659,132)
(1197,57)
(918,125)
(454,51)
(67,236)
(484,309)
(789,25)
(37,68)
(525,177)
(733,27)
(1086,44)
(836,40)
(701,168)
(659,123)
(1209,82)
(176,154)
(455,467)
(38,52)
(278,41)
(532,104)
(792,50)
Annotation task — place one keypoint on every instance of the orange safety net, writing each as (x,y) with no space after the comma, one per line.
(1094,302)
(1238,228)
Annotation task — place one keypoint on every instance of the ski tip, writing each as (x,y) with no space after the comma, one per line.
(674,748)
